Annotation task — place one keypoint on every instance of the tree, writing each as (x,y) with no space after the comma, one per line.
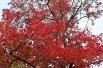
(45,34)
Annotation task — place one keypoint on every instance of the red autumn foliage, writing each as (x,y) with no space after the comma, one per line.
(45,34)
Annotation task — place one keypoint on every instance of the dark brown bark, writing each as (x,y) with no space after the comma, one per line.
(71,65)
(61,65)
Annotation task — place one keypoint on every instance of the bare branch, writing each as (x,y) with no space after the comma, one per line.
(96,62)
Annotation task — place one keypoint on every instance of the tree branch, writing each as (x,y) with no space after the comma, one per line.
(50,8)
(18,58)
(96,62)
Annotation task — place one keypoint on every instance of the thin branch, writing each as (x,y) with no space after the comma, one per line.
(18,47)
(50,8)
(81,18)
(80,8)
(21,43)
(48,2)
(18,58)
(74,14)
(96,62)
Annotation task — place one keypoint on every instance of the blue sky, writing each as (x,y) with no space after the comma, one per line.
(3,4)
(96,29)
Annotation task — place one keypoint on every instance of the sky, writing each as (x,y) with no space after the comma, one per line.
(3,4)
(96,29)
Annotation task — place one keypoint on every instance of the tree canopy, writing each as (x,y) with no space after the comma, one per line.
(45,34)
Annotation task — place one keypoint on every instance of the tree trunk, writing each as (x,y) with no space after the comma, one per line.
(62,65)
(71,65)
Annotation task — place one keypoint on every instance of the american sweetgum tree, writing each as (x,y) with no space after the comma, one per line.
(45,34)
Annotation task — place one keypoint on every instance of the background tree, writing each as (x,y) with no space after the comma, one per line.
(45,34)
